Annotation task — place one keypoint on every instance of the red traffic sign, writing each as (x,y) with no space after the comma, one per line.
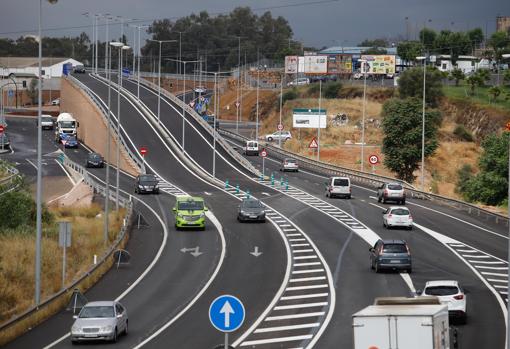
(2,128)
(64,142)
(263,153)
(313,144)
(143,151)
(373,159)
(280,127)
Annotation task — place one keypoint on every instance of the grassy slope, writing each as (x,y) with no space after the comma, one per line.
(481,96)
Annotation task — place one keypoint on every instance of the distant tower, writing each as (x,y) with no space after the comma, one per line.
(503,23)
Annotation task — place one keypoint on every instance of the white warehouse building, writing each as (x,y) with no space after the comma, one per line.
(51,66)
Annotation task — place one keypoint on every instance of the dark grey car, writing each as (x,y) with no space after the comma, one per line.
(95,160)
(146,183)
(390,255)
(251,210)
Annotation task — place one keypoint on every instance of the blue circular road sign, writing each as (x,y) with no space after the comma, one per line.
(226,313)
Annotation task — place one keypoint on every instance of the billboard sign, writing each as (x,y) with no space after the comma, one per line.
(315,64)
(340,64)
(380,64)
(309,118)
(291,64)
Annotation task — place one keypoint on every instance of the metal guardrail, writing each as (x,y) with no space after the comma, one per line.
(98,188)
(227,147)
(13,179)
(372,180)
(93,99)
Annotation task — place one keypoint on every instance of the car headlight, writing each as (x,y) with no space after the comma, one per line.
(75,328)
(108,328)
(243,212)
(202,215)
(180,215)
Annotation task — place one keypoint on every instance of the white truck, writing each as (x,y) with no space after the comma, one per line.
(402,324)
(66,124)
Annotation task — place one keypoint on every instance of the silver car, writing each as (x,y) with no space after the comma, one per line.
(391,192)
(100,321)
(289,164)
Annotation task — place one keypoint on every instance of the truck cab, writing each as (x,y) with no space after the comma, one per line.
(66,125)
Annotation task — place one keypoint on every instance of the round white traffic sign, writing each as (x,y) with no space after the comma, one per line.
(280,127)
(373,159)
(263,153)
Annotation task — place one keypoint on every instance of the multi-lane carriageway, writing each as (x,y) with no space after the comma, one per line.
(313,273)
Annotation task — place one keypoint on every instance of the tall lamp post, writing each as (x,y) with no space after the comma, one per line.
(159,74)
(506,56)
(121,47)
(424,59)
(364,71)
(138,52)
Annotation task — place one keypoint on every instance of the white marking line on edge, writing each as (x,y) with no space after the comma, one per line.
(300,288)
(498,280)
(301,306)
(305,264)
(308,271)
(494,274)
(276,340)
(305,296)
(485,262)
(474,256)
(286,328)
(67,173)
(408,281)
(295,316)
(490,268)
(314,278)
(305,257)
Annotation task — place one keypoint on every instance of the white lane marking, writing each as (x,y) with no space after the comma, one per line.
(305,296)
(490,268)
(207,193)
(301,306)
(299,245)
(286,328)
(485,262)
(306,264)
(31,163)
(315,278)
(494,274)
(408,281)
(266,194)
(67,173)
(299,239)
(302,251)
(501,286)
(308,271)
(498,280)
(467,251)
(295,316)
(306,257)
(276,340)
(288,235)
(475,256)
(311,287)
(289,229)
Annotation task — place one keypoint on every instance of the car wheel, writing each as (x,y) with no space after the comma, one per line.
(348,197)
(287,138)
(404,202)
(378,199)
(410,228)
(384,224)
(126,329)
(410,270)
(136,191)
(371,264)
(114,339)
(269,139)
(383,200)
(376,267)
(463,319)
(73,342)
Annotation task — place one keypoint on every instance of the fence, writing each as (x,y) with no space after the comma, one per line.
(13,179)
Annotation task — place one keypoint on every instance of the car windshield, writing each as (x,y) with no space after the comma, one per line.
(46,119)
(147,178)
(97,312)
(441,290)
(400,212)
(341,182)
(252,204)
(94,157)
(190,205)
(66,124)
(394,248)
(290,161)
(394,187)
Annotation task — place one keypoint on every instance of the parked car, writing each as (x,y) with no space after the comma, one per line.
(104,320)
(200,90)
(299,82)
(357,76)
(391,192)
(70,141)
(189,212)
(338,186)
(390,254)
(251,148)
(251,210)
(95,160)
(4,141)
(55,101)
(289,164)
(397,216)
(146,183)
(449,292)
(47,122)
(283,135)
(79,69)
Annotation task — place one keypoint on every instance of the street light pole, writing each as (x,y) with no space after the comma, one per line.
(238,105)
(257,108)
(424,58)
(216,101)
(363,68)
(319,126)
(281,107)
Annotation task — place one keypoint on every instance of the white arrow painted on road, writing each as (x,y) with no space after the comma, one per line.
(195,251)
(227,310)
(207,193)
(266,194)
(256,252)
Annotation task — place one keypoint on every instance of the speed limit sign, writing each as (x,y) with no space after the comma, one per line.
(280,127)
(373,159)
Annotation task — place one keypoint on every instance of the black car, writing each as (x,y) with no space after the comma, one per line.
(95,160)
(4,140)
(146,183)
(79,69)
(251,210)
(391,255)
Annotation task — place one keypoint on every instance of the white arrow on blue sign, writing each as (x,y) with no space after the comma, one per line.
(226,313)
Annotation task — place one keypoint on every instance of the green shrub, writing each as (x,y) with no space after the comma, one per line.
(464,174)
(313,89)
(20,209)
(290,95)
(331,89)
(463,134)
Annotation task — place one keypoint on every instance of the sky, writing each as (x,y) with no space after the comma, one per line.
(333,23)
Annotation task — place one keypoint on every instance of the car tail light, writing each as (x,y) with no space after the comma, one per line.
(390,215)
(459,297)
(385,192)
(410,217)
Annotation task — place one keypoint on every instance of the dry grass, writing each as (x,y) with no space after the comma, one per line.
(18,250)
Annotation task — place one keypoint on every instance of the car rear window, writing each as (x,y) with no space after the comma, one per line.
(394,187)
(341,182)
(252,144)
(400,212)
(441,290)
(291,161)
(394,248)
(252,204)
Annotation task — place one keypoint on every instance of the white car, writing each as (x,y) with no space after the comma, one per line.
(299,82)
(55,101)
(283,135)
(289,165)
(450,293)
(357,76)
(251,148)
(397,216)
(100,321)
(338,186)
(200,90)
(47,122)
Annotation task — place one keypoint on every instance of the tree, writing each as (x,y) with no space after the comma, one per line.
(476,37)
(490,185)
(457,75)
(409,50)
(402,127)
(375,51)
(374,43)
(506,76)
(428,37)
(474,81)
(410,84)
(33,91)
(499,42)
(495,91)
(452,43)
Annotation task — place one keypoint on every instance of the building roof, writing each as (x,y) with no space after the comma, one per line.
(25,62)
(354,50)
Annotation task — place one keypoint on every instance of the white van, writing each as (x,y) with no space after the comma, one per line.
(251,148)
(338,186)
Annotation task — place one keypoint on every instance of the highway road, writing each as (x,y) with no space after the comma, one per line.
(314,271)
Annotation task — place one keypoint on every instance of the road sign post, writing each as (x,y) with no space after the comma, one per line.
(226,314)
(263,153)
(64,241)
(143,151)
(373,160)
(313,144)
(1,135)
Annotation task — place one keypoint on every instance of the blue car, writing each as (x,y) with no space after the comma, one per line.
(70,142)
